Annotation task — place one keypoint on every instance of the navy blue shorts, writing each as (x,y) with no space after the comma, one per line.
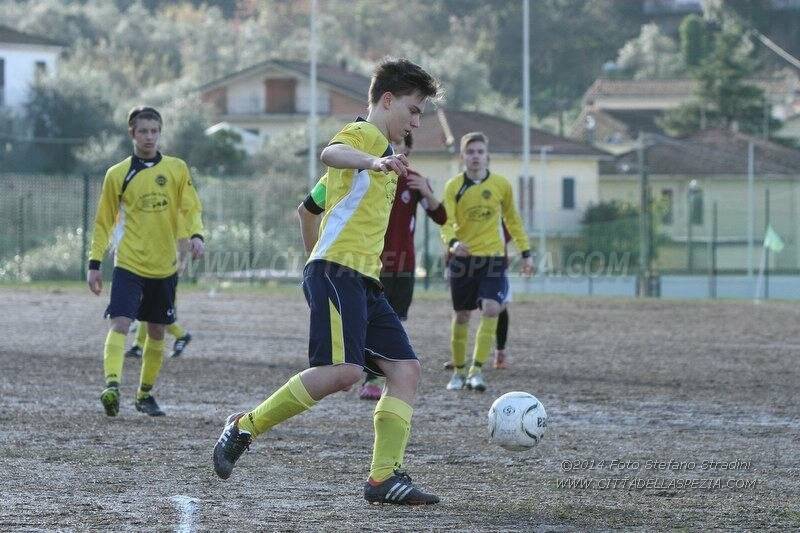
(351,320)
(140,298)
(399,290)
(473,279)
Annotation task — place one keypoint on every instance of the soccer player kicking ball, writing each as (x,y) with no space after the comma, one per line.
(398,256)
(143,198)
(352,324)
(478,202)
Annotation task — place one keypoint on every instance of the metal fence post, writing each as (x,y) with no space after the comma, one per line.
(712,281)
(251,239)
(20,233)
(85,227)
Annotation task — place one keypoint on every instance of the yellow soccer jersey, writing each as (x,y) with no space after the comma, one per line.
(357,205)
(144,218)
(476,212)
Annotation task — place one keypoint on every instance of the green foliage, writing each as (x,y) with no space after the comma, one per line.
(724,96)
(651,55)
(185,121)
(609,228)
(62,109)
(695,40)
(58,259)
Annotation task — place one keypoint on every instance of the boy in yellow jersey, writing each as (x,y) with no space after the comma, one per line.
(143,198)
(352,324)
(478,202)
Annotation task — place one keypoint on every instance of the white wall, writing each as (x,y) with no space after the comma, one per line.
(558,220)
(20,68)
(303,97)
(246,97)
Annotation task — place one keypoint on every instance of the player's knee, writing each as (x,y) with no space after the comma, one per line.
(156,331)
(406,373)
(347,376)
(121,324)
(491,308)
(462,317)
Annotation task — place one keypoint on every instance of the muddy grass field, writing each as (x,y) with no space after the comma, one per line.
(662,415)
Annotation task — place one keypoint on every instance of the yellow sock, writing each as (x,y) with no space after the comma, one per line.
(392,420)
(458,343)
(152,357)
(286,402)
(176,330)
(487,329)
(141,334)
(113,357)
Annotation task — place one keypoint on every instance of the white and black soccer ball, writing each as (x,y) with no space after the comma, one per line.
(517,421)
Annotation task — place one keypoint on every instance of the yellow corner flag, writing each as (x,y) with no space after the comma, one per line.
(773,241)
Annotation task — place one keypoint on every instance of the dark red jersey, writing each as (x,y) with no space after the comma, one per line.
(398,247)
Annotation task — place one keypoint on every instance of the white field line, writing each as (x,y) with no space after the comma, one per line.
(189,509)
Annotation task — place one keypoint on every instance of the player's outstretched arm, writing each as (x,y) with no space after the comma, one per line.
(344,156)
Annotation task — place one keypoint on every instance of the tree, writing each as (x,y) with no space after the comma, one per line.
(651,55)
(724,97)
(185,122)
(695,40)
(609,233)
(64,113)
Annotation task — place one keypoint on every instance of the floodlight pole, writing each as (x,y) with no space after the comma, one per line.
(751,206)
(312,108)
(526,100)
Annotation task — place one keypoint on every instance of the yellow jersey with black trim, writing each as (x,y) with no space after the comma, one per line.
(144,208)
(357,205)
(476,212)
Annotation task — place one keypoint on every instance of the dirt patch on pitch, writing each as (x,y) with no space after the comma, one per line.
(626,384)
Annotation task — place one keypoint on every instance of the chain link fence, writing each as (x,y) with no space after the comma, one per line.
(252,232)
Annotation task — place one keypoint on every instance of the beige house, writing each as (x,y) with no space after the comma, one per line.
(689,176)
(273,97)
(615,111)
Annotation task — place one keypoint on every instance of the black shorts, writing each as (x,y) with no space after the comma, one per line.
(399,290)
(145,299)
(351,320)
(473,279)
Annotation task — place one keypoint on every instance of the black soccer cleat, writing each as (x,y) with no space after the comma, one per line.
(110,400)
(180,345)
(230,446)
(149,406)
(398,490)
(135,352)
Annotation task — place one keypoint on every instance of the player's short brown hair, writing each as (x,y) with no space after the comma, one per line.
(143,112)
(473,136)
(401,77)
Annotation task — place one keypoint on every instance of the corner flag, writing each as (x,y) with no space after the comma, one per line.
(773,241)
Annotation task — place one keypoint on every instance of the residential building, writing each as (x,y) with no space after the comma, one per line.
(688,177)
(272,98)
(23,58)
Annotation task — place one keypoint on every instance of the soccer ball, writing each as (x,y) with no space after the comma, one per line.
(517,421)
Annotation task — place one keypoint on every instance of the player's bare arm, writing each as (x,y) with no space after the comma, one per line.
(197,247)
(344,156)
(459,249)
(95,280)
(420,184)
(309,227)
